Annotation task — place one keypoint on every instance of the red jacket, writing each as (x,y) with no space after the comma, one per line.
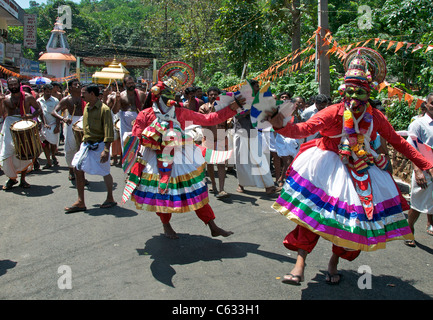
(329,122)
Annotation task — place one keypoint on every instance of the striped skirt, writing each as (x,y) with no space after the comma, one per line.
(319,195)
(187,188)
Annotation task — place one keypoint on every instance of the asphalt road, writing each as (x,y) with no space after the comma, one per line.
(121,254)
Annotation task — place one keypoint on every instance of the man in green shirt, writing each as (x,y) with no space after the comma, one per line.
(94,154)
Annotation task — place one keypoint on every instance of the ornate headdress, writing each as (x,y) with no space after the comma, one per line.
(172,77)
(365,68)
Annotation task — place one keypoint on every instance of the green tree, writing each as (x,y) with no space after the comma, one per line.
(243,30)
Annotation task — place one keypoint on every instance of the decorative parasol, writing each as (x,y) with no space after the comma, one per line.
(114,71)
(179,71)
(40,80)
(375,63)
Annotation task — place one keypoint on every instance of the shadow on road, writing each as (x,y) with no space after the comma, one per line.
(240,198)
(34,190)
(5,265)
(193,248)
(117,211)
(383,287)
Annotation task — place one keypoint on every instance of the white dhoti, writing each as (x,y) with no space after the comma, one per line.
(88,159)
(49,135)
(126,118)
(421,199)
(252,160)
(286,146)
(10,164)
(71,146)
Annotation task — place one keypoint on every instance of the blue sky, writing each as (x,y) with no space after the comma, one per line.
(25,3)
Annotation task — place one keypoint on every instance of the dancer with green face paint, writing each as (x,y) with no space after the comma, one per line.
(337,187)
(168,174)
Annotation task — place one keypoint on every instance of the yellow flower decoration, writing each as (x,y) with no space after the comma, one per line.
(347,115)
(361,153)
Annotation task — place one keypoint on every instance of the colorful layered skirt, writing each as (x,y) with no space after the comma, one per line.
(187,189)
(319,194)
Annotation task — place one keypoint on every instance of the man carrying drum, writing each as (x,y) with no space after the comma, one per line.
(15,159)
(72,106)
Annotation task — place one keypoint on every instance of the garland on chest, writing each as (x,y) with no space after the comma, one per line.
(354,148)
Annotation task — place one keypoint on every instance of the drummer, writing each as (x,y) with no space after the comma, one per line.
(73,106)
(127,104)
(16,106)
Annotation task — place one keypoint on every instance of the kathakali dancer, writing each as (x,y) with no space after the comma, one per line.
(337,187)
(168,175)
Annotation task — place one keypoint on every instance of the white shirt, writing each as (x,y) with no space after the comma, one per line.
(422,127)
(48,107)
(309,112)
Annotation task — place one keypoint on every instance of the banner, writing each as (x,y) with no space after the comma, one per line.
(29,68)
(30,35)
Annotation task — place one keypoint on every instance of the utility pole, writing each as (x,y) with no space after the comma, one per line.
(322,59)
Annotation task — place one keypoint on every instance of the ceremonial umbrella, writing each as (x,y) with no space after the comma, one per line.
(40,80)
(115,71)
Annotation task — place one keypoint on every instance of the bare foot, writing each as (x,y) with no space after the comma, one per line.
(169,232)
(333,277)
(217,231)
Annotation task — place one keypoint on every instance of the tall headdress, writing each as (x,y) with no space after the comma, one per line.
(364,68)
(173,76)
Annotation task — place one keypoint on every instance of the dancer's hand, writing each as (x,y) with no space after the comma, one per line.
(420,178)
(238,103)
(275,119)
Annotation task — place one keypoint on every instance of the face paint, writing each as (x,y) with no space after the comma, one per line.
(168,93)
(356,98)
(356,93)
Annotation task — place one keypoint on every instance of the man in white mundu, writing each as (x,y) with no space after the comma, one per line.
(73,106)
(51,128)
(421,138)
(15,106)
(126,104)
